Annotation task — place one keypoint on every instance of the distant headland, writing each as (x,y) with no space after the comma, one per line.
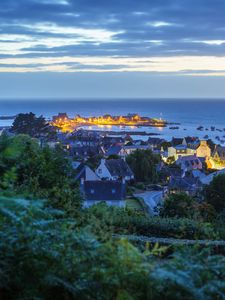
(65,123)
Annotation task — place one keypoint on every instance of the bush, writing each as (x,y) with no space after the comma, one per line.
(43,255)
(179,205)
(115,220)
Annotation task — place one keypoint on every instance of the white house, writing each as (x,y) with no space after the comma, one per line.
(114,169)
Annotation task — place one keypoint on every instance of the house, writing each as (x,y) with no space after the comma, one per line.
(84,172)
(217,159)
(127,139)
(178,141)
(207,179)
(189,163)
(201,148)
(108,141)
(115,150)
(60,116)
(114,169)
(111,192)
(186,184)
(86,137)
(190,139)
(84,152)
(155,143)
(179,150)
(219,154)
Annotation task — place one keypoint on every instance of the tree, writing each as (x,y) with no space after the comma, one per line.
(143,164)
(179,205)
(215,193)
(33,126)
(39,172)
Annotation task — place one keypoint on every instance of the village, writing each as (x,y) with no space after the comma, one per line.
(100,162)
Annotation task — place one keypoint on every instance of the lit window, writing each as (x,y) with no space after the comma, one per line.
(92,191)
(113,191)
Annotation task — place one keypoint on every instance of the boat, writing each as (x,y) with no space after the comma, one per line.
(174,127)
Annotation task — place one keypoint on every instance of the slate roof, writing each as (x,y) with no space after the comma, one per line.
(113,150)
(84,172)
(118,167)
(85,151)
(173,172)
(184,183)
(155,141)
(189,161)
(176,141)
(104,190)
(220,150)
(110,140)
(190,139)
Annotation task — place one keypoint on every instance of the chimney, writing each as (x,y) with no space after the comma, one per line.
(102,161)
(82,187)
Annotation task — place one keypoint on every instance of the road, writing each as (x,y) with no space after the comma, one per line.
(151,199)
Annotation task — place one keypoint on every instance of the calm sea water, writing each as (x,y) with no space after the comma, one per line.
(190,113)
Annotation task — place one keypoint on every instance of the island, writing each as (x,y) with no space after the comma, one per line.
(66,124)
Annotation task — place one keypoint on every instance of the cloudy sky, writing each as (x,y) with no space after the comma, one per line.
(117,48)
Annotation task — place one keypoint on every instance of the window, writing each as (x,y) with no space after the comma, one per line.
(100,171)
(113,191)
(92,191)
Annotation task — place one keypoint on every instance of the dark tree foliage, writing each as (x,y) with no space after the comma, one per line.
(39,172)
(143,164)
(179,205)
(215,193)
(33,126)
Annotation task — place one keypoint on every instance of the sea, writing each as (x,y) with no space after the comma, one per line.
(189,113)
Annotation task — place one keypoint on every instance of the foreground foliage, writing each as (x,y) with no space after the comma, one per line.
(44,256)
(105,220)
(38,172)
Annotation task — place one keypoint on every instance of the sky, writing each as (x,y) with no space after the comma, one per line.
(107,49)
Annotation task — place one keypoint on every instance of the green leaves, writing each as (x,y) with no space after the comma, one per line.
(39,172)
(29,124)
(215,193)
(44,255)
(143,164)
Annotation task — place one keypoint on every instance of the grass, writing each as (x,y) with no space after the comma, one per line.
(134,203)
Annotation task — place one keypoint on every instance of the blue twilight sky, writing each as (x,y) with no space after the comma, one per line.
(117,48)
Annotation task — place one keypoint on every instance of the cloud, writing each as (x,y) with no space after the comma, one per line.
(169,31)
(183,65)
(159,24)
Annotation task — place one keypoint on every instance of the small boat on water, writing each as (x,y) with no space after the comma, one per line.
(200,128)
(174,127)
(212,128)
